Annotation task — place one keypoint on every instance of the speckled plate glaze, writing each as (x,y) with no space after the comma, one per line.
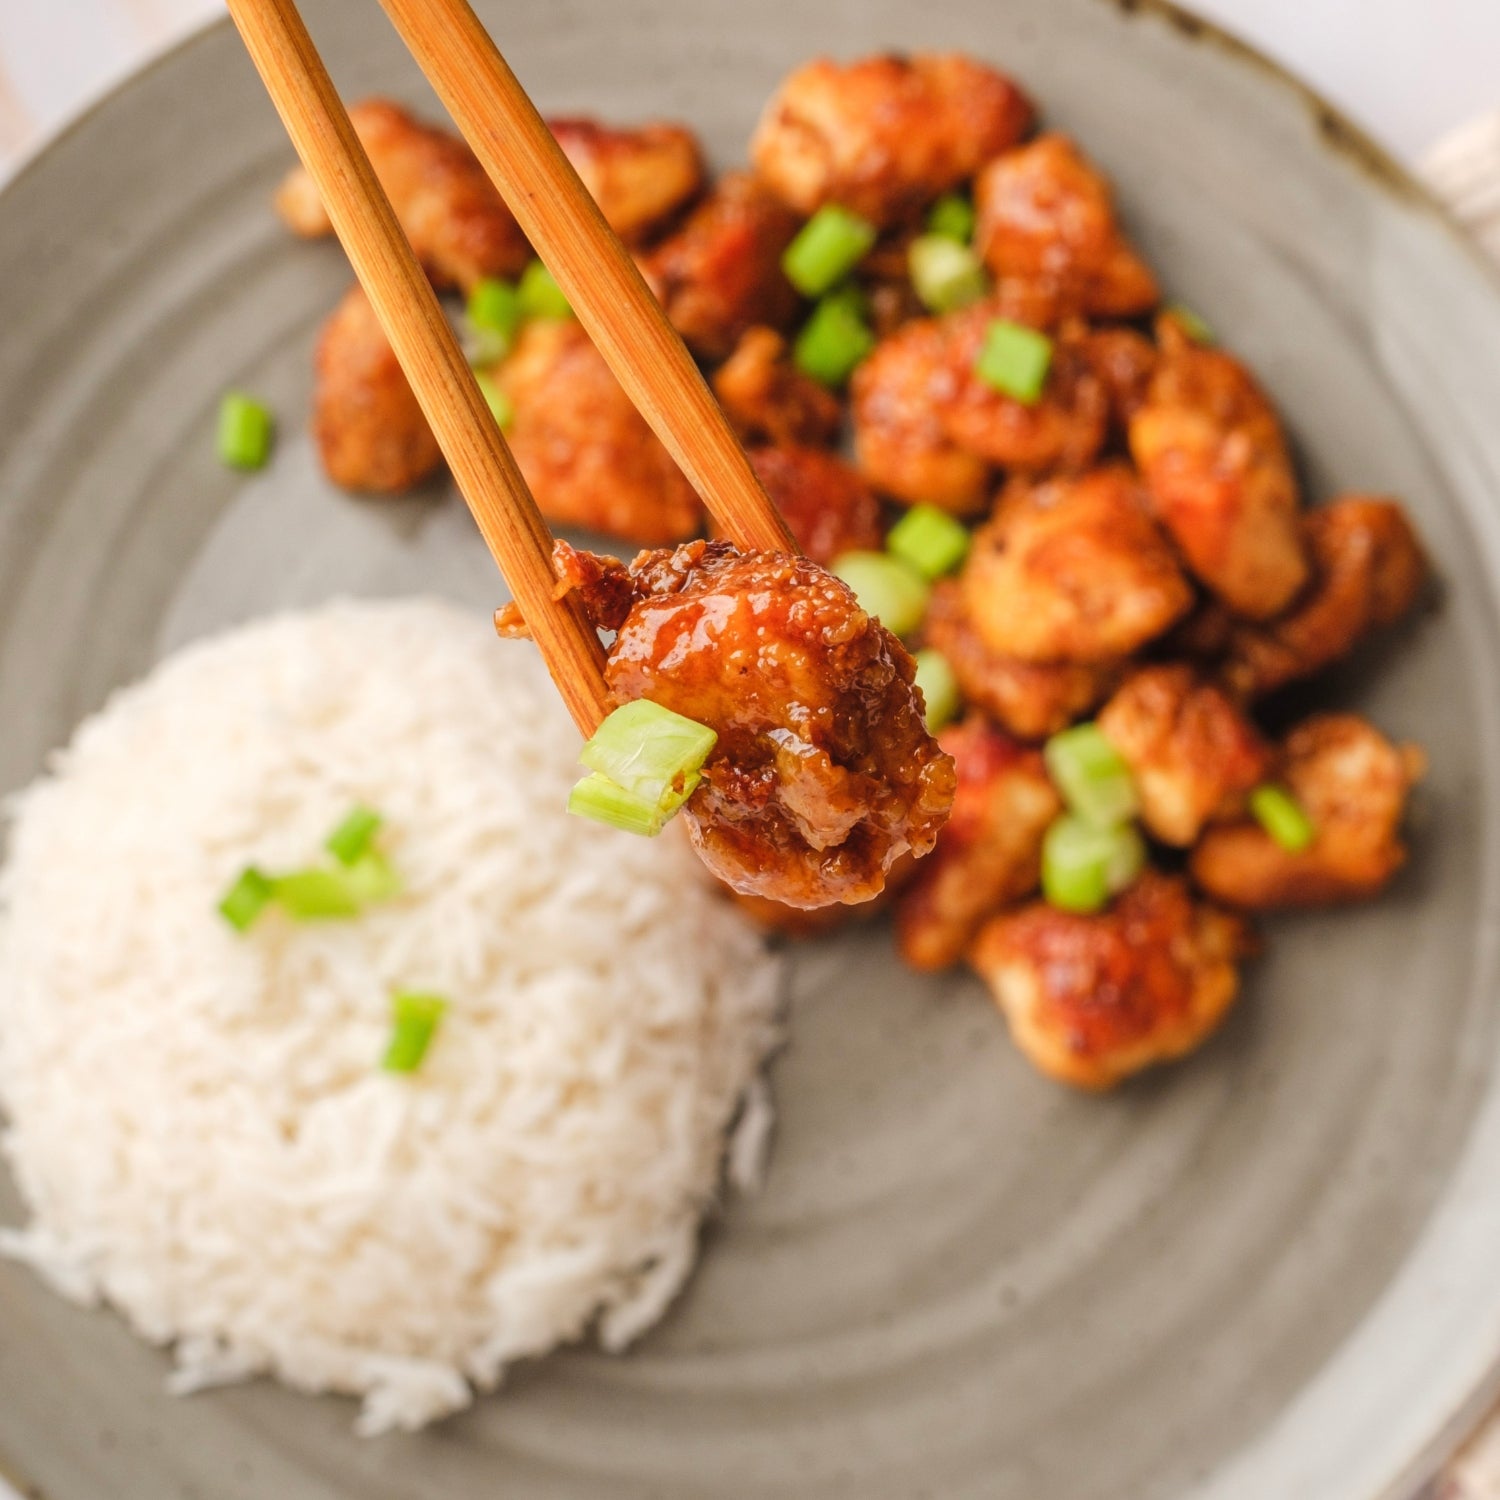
(1272,1272)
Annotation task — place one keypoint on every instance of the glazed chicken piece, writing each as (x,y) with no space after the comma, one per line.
(1092,999)
(370,432)
(827,505)
(900,442)
(768,399)
(1123,362)
(1028,699)
(720,273)
(1211,452)
(1072,570)
(1046,218)
(1368,571)
(454,218)
(824,773)
(1192,754)
(640,176)
(988,855)
(885,135)
(586,452)
(1353,785)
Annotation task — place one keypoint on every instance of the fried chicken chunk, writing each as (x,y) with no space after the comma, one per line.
(1123,362)
(1211,452)
(768,399)
(1353,785)
(989,853)
(1072,570)
(1046,218)
(638,176)
(370,432)
(586,452)
(828,507)
(884,135)
(824,773)
(720,274)
(450,210)
(1093,999)
(1192,753)
(1368,570)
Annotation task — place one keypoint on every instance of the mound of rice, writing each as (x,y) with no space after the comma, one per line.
(198,1120)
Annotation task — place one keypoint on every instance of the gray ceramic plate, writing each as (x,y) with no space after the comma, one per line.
(1271,1272)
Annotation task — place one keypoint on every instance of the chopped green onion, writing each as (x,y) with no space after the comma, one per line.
(650,751)
(245,900)
(952,216)
(1014,360)
(539,296)
(1083,866)
(599,798)
(930,540)
(414,1019)
(501,408)
(945,275)
(851,296)
(1092,776)
(826,249)
(317,895)
(1191,324)
(372,878)
(493,314)
(939,688)
(891,590)
(352,837)
(832,342)
(245,428)
(1282,816)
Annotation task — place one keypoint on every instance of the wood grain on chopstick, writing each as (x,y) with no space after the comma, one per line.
(538,183)
(408,310)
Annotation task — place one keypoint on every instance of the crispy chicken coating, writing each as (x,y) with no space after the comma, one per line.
(989,853)
(827,505)
(1072,570)
(1192,753)
(1368,570)
(885,135)
(824,773)
(586,452)
(1092,999)
(768,399)
(1211,452)
(451,212)
(1353,783)
(1123,362)
(1046,217)
(639,176)
(370,433)
(720,273)
(1028,699)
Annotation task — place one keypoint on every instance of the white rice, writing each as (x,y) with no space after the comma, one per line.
(198,1121)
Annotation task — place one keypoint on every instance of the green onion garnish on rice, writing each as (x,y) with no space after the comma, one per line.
(353,836)
(245,900)
(646,762)
(414,1020)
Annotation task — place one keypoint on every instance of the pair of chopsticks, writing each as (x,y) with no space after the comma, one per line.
(593,268)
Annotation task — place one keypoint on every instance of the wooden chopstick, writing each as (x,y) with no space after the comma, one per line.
(366,225)
(554,209)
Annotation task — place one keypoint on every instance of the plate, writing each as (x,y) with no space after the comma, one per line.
(1269,1272)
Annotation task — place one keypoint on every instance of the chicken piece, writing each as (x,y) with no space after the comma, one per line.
(1092,999)
(451,212)
(1211,452)
(1368,570)
(827,505)
(720,273)
(1123,362)
(768,399)
(1072,570)
(639,176)
(1353,785)
(586,452)
(824,773)
(370,432)
(1030,700)
(884,135)
(1046,217)
(900,441)
(1192,754)
(989,853)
